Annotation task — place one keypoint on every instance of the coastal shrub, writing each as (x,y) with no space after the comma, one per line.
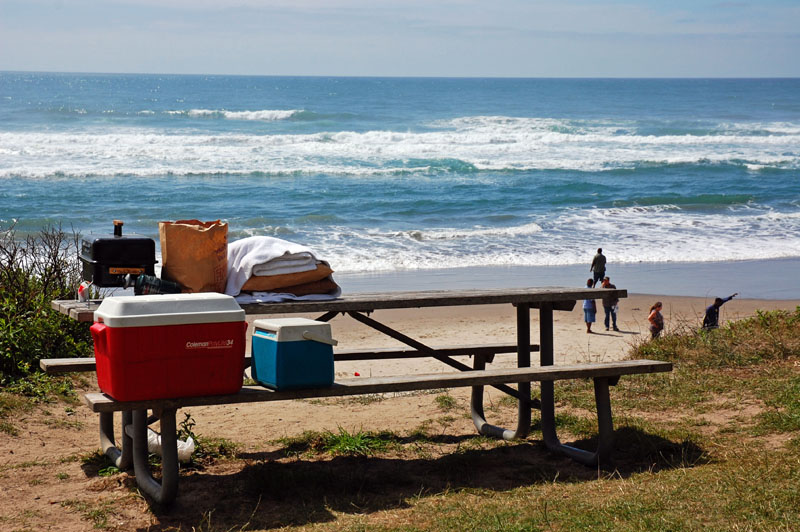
(766,336)
(34,270)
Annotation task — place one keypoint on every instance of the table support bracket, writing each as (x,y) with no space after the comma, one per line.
(120,454)
(524,402)
(133,451)
(605,425)
(163,492)
(479,418)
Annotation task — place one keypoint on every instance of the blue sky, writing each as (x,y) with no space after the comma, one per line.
(519,38)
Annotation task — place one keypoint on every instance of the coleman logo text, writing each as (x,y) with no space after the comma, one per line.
(210,344)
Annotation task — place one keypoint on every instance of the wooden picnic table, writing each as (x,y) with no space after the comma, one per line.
(558,297)
(358,306)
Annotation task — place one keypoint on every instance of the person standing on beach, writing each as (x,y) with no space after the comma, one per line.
(656,320)
(610,305)
(598,267)
(711,319)
(589,309)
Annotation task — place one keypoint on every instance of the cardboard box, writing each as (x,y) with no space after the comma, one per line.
(168,346)
(291,353)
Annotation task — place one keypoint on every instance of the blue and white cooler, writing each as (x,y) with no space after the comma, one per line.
(292,353)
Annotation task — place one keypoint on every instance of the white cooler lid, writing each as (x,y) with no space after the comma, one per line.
(168,309)
(293,329)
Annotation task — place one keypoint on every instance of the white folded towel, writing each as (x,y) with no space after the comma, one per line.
(267,255)
(293,263)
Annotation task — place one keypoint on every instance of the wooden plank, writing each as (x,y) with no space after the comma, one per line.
(53,366)
(100,402)
(562,298)
(410,352)
(82,311)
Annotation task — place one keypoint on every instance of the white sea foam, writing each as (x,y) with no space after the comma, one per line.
(473,232)
(628,235)
(266,115)
(485,143)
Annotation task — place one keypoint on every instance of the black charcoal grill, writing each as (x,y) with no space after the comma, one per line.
(108,259)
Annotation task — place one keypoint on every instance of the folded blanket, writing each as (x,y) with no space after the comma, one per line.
(277,283)
(247,254)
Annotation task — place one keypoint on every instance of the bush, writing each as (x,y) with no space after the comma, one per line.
(35,270)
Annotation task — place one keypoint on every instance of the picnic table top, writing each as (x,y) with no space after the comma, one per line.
(562,298)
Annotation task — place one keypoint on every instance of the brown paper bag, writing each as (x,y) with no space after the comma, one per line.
(195,254)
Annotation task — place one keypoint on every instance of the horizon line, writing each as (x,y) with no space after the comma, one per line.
(397,76)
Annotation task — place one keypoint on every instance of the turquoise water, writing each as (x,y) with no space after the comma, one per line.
(400,175)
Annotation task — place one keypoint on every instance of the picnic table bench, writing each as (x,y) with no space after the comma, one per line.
(132,450)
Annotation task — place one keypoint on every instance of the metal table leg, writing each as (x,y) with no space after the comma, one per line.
(122,455)
(523,388)
(605,425)
(605,438)
(165,491)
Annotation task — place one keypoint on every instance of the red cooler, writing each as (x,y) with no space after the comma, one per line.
(167,346)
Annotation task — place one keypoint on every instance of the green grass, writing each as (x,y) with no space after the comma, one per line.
(98,464)
(43,388)
(783,404)
(8,428)
(98,512)
(340,443)
(767,336)
(445,402)
(206,449)
(31,392)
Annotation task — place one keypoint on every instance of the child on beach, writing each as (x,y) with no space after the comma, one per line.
(656,320)
(589,309)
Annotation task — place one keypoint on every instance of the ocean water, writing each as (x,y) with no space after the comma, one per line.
(394,175)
